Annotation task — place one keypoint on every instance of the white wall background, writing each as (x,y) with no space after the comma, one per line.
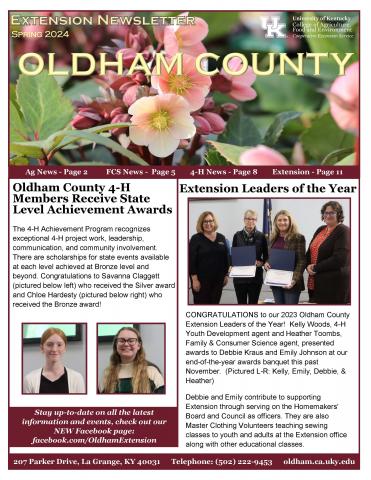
(230,212)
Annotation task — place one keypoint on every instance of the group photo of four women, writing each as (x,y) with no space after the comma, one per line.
(128,370)
(325,258)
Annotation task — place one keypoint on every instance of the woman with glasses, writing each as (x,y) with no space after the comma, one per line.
(248,289)
(328,263)
(129,371)
(208,261)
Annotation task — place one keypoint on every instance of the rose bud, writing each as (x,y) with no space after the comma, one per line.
(217,124)
(202,125)
(86,118)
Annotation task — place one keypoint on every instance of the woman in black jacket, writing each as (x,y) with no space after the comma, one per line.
(248,289)
(208,261)
(328,257)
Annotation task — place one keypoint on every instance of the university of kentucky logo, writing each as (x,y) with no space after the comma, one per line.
(273,27)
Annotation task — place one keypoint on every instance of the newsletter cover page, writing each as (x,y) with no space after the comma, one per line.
(184,241)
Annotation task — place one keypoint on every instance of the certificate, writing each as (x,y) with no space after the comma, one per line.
(282,264)
(247,271)
(243,262)
(278,278)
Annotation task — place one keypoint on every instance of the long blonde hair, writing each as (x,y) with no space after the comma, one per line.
(140,380)
(292,230)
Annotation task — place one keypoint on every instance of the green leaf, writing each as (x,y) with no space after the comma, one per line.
(329,70)
(19,161)
(100,155)
(43,105)
(231,153)
(63,138)
(89,163)
(60,159)
(250,43)
(349,160)
(106,127)
(62,79)
(325,40)
(324,137)
(35,148)
(13,96)
(334,157)
(276,128)
(28,149)
(213,157)
(58,137)
(71,145)
(13,71)
(292,92)
(17,128)
(107,142)
(90,88)
(241,130)
(220,25)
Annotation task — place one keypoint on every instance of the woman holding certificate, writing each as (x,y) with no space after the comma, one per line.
(328,258)
(248,288)
(208,261)
(287,246)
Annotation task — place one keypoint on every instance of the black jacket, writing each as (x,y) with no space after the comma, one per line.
(207,259)
(241,239)
(331,281)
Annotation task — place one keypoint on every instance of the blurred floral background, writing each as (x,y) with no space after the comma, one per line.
(188,119)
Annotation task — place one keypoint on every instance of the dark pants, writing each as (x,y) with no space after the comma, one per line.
(325,301)
(247,293)
(209,294)
(284,296)
(311,296)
